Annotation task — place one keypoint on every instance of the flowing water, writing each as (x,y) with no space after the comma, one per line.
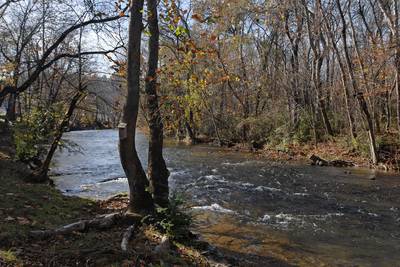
(266,212)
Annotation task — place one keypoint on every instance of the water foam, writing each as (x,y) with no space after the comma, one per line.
(215,208)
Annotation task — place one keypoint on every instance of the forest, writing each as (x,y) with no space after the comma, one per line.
(263,87)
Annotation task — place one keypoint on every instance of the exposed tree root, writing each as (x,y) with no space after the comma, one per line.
(101,222)
(126,237)
(38,176)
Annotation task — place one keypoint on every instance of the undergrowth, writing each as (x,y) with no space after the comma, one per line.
(172,221)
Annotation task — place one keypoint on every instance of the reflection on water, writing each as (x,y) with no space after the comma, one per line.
(297,213)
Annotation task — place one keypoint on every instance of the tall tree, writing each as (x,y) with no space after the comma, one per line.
(157,170)
(140,198)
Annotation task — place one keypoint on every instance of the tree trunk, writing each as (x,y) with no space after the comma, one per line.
(11,107)
(320,100)
(397,58)
(190,135)
(359,95)
(316,39)
(41,175)
(157,169)
(1,101)
(344,78)
(140,199)
(398,85)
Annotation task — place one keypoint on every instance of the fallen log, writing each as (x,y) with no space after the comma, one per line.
(315,160)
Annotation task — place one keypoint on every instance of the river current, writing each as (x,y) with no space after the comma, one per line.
(261,210)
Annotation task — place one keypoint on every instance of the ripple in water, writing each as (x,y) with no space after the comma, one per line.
(337,216)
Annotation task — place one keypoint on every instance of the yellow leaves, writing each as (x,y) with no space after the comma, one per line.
(176,19)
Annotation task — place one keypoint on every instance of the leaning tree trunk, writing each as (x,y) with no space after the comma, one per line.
(343,75)
(359,95)
(157,169)
(397,59)
(41,175)
(11,107)
(3,97)
(140,199)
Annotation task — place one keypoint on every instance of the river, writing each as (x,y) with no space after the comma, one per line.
(248,206)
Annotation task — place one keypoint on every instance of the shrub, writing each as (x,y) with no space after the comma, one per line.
(257,128)
(304,130)
(33,132)
(172,221)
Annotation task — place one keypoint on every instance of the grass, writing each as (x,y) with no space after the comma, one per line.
(26,207)
(8,258)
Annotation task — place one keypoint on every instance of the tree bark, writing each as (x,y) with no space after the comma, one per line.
(157,170)
(11,107)
(140,199)
(344,78)
(393,20)
(315,38)
(41,175)
(358,94)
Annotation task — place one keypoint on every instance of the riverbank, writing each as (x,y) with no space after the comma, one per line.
(334,149)
(26,207)
(256,212)
(330,150)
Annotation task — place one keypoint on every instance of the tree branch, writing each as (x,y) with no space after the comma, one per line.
(42,65)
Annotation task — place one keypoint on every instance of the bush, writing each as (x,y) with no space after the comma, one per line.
(257,128)
(304,131)
(33,132)
(172,221)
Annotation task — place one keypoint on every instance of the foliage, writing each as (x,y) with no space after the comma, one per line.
(173,220)
(8,257)
(303,132)
(360,144)
(33,132)
(257,128)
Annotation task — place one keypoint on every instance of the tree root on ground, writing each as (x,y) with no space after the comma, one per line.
(126,237)
(101,222)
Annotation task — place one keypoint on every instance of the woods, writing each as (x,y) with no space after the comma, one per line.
(284,73)
(267,74)
(288,80)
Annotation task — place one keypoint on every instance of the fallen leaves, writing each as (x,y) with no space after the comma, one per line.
(9,219)
(19,220)
(23,221)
